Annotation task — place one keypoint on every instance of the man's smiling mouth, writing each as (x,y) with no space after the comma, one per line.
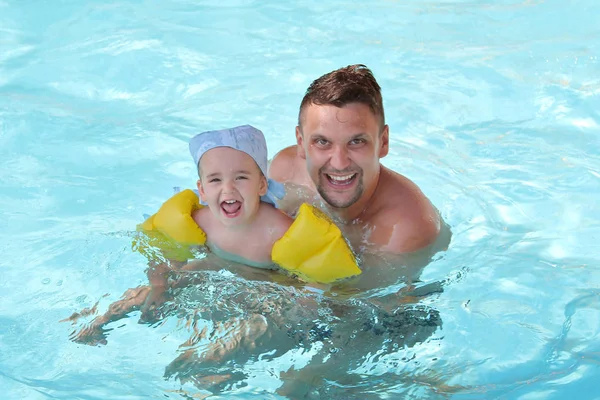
(341,180)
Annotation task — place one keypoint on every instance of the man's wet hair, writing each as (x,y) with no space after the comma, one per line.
(351,84)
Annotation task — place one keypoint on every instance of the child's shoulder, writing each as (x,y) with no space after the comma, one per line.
(274,219)
(201,217)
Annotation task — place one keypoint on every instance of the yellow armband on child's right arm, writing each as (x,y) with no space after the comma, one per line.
(314,249)
(172,230)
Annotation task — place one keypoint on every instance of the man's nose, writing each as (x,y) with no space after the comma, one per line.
(339,158)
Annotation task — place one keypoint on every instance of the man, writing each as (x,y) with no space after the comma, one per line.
(341,137)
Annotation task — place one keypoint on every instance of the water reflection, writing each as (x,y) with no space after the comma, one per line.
(237,316)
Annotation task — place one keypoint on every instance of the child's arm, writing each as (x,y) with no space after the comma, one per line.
(174,230)
(145,298)
(95,333)
(175,216)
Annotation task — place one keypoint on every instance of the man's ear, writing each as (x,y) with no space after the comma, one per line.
(300,143)
(384,142)
(201,190)
(263,186)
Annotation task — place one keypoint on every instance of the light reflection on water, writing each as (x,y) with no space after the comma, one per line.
(493,113)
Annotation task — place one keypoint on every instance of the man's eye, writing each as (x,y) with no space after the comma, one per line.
(321,142)
(357,141)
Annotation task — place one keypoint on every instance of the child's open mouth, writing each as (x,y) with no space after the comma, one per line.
(231,208)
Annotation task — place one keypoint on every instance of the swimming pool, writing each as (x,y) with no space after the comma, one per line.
(493,112)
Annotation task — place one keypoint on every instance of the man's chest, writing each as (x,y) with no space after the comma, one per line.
(368,236)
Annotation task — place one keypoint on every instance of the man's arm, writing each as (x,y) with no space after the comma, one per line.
(399,256)
(407,221)
(413,232)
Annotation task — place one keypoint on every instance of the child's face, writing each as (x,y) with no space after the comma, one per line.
(231,184)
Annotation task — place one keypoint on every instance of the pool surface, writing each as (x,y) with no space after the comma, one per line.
(493,108)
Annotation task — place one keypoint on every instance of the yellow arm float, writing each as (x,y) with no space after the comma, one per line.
(314,249)
(172,229)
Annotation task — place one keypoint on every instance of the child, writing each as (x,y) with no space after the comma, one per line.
(239,223)
(232,168)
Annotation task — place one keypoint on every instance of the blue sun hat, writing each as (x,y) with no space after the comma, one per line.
(244,138)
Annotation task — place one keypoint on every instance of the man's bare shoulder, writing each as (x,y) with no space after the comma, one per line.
(400,187)
(282,166)
(404,219)
(288,168)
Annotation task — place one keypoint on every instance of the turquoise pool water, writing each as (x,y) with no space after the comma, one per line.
(493,111)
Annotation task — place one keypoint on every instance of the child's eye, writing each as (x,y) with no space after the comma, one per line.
(214,180)
(242,177)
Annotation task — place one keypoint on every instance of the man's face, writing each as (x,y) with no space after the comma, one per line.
(342,148)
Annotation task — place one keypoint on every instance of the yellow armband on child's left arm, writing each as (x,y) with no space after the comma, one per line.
(172,230)
(314,249)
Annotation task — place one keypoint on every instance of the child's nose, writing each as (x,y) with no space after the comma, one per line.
(228,186)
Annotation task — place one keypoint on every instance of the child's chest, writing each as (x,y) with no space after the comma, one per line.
(252,246)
